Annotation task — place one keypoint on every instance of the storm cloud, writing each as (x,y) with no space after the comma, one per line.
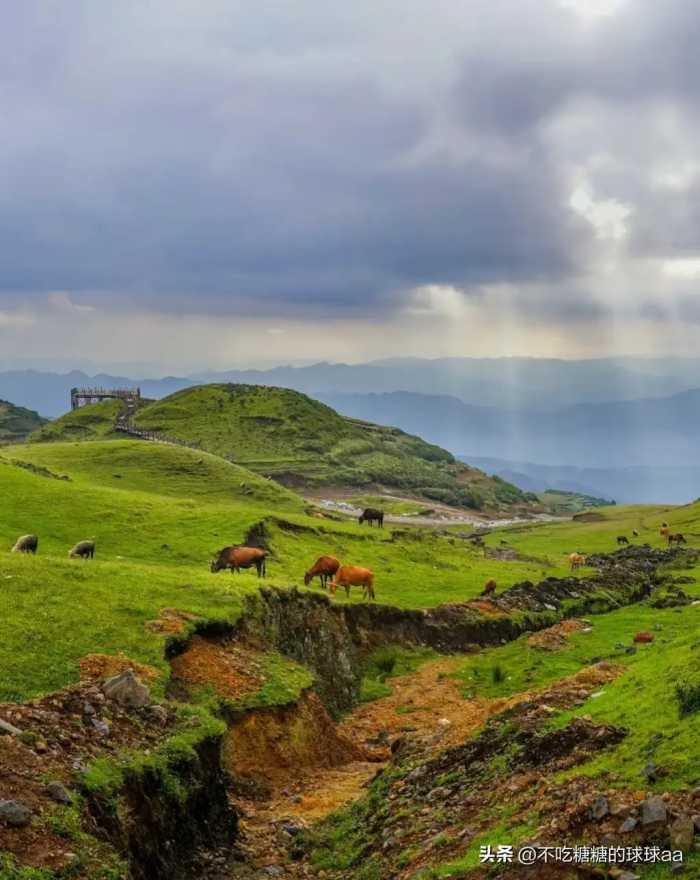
(326,161)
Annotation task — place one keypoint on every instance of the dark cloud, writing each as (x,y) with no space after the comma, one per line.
(323,158)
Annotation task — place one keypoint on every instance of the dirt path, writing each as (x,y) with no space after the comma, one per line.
(426,704)
(443,516)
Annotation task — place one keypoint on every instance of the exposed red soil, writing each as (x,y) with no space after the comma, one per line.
(96,667)
(288,746)
(232,669)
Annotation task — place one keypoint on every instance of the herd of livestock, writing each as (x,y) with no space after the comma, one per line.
(577,560)
(329,570)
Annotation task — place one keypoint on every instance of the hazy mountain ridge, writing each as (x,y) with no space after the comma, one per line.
(508,383)
(516,383)
(631,485)
(642,432)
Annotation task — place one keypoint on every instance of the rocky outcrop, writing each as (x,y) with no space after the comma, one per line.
(311,629)
(160,819)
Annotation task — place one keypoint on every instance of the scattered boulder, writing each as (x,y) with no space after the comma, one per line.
(599,809)
(126,689)
(628,825)
(653,810)
(9,729)
(15,813)
(59,793)
(681,833)
(158,713)
(438,793)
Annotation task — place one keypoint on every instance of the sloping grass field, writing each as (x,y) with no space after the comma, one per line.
(158,514)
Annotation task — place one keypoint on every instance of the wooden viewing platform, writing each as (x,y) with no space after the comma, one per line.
(83,396)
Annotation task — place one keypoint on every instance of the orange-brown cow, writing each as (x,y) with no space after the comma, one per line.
(237,558)
(576,560)
(489,587)
(353,576)
(324,568)
(663,531)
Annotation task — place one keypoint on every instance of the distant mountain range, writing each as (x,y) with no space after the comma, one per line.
(656,431)
(511,383)
(627,485)
(506,383)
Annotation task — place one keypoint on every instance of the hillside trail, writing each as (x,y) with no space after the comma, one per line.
(425,703)
(443,514)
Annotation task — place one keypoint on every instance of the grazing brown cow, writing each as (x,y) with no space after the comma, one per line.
(26,544)
(370,515)
(678,538)
(83,549)
(489,587)
(576,560)
(663,531)
(622,539)
(324,568)
(237,558)
(353,576)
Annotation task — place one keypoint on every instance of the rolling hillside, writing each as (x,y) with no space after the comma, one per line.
(16,422)
(93,422)
(158,514)
(302,443)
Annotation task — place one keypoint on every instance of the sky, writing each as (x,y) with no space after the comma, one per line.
(216,183)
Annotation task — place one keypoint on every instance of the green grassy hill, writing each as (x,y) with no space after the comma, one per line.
(16,422)
(305,444)
(561,502)
(93,422)
(158,514)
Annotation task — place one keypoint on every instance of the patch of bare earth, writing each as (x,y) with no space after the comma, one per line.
(427,715)
(231,669)
(556,637)
(425,704)
(95,667)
